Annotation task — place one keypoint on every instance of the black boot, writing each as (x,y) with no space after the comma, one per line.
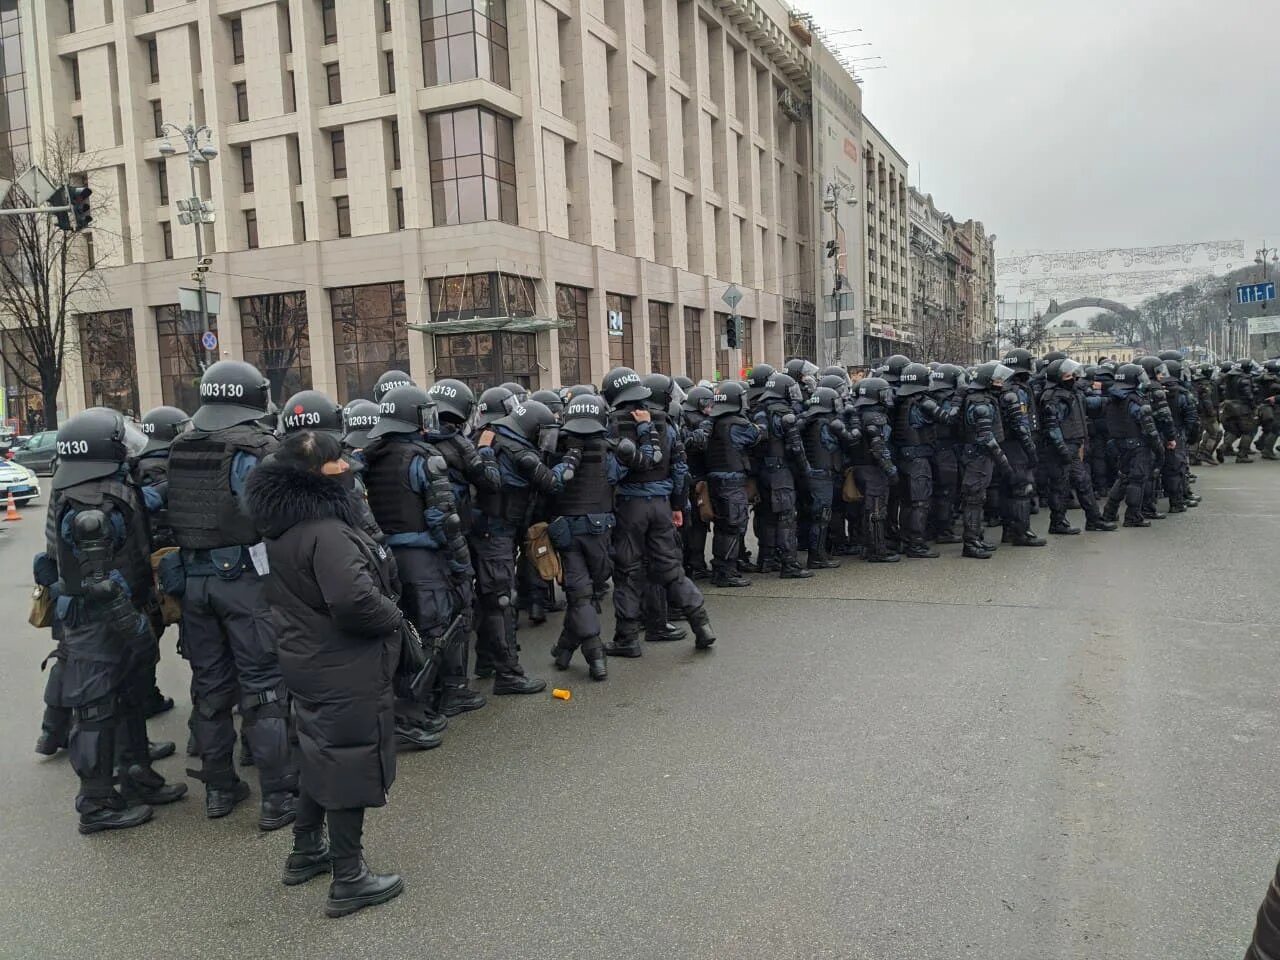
(516,684)
(665,632)
(1097,524)
(562,656)
(597,666)
(143,786)
(1058,525)
(110,813)
(309,857)
(728,576)
(791,570)
(700,622)
(47,744)
(354,887)
(459,698)
(1111,512)
(877,547)
(279,809)
(416,738)
(157,703)
(625,641)
(1135,518)
(974,545)
(222,788)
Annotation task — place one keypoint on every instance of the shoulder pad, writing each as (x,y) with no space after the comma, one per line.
(1145,409)
(437,466)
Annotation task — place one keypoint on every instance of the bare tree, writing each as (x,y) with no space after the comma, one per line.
(43,271)
(279,331)
(1029,335)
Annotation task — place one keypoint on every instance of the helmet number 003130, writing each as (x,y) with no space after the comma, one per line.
(222,389)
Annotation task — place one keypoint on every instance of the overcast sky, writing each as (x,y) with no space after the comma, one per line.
(1077,124)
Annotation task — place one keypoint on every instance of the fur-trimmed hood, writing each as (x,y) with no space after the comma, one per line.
(280,496)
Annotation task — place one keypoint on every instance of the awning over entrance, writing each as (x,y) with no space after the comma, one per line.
(490,325)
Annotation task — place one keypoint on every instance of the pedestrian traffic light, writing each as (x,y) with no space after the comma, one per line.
(79,197)
(731,332)
(62,218)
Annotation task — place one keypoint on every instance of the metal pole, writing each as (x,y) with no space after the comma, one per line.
(198,222)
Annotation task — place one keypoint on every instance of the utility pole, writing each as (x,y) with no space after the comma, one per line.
(195,211)
(835,195)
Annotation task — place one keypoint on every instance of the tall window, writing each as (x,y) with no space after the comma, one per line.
(575,341)
(246,168)
(723,371)
(162,181)
(71,16)
(183,358)
(463,40)
(108,360)
(693,343)
(153,60)
(473,171)
(369,336)
(251,229)
(277,341)
(799,336)
(333,79)
(157,118)
(659,336)
(242,101)
(25,402)
(237,40)
(490,357)
(748,349)
(75,78)
(399,198)
(395,144)
(386,16)
(342,206)
(621,335)
(338,151)
(329,18)
(166,238)
(80,134)
(389,59)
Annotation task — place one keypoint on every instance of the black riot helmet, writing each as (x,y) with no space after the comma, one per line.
(871,390)
(389,381)
(550,399)
(683,382)
(993,373)
(840,385)
(835,371)
(1106,371)
(1053,355)
(661,389)
(781,386)
(231,392)
(579,390)
(1174,367)
(1169,355)
(757,377)
(585,415)
(1062,370)
(1019,361)
(914,378)
(94,443)
(1155,368)
(1204,372)
(358,418)
(622,385)
(1130,374)
(455,401)
(492,406)
(407,409)
(947,377)
(698,400)
(1272,367)
(730,397)
(527,418)
(893,368)
(518,390)
(162,425)
(823,400)
(803,372)
(311,410)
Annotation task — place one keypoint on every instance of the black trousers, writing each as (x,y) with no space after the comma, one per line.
(729,501)
(346,827)
(587,566)
(493,554)
(1066,477)
(646,549)
(430,601)
(1136,464)
(228,640)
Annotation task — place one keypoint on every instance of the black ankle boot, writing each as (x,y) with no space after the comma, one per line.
(517,684)
(279,809)
(112,813)
(142,785)
(700,623)
(355,887)
(593,650)
(561,656)
(666,632)
(309,858)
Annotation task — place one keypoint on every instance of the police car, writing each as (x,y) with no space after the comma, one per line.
(18,480)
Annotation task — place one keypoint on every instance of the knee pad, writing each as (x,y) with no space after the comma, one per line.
(213,704)
(98,715)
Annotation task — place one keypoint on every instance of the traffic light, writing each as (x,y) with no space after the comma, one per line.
(731,332)
(80,206)
(832,249)
(62,218)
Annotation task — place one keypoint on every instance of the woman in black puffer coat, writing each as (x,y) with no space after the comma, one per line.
(332,591)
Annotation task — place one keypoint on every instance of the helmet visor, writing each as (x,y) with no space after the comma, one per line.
(1001,372)
(1070,368)
(135,441)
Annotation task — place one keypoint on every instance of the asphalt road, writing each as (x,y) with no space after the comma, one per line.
(1060,753)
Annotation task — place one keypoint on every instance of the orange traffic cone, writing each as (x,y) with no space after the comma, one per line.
(11,510)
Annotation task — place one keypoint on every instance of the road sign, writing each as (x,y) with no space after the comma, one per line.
(209,340)
(38,187)
(732,296)
(1261,325)
(1256,292)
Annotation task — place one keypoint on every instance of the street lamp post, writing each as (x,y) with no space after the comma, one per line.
(197,212)
(1264,255)
(835,195)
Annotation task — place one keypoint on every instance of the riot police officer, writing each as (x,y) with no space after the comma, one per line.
(469,468)
(1183,409)
(413,504)
(1133,431)
(648,506)
(916,415)
(1207,403)
(1021,422)
(226,622)
(946,384)
(358,418)
(520,439)
(781,461)
(873,467)
(1267,390)
(582,528)
(389,381)
(728,437)
(696,405)
(822,430)
(983,452)
(1066,430)
(1238,423)
(97,533)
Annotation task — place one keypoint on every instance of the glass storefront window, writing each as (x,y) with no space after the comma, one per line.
(575,341)
(369,336)
(484,359)
(183,359)
(464,40)
(621,348)
(108,360)
(277,340)
(473,170)
(693,343)
(659,337)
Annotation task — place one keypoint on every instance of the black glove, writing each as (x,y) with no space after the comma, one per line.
(626,450)
(1064,454)
(838,429)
